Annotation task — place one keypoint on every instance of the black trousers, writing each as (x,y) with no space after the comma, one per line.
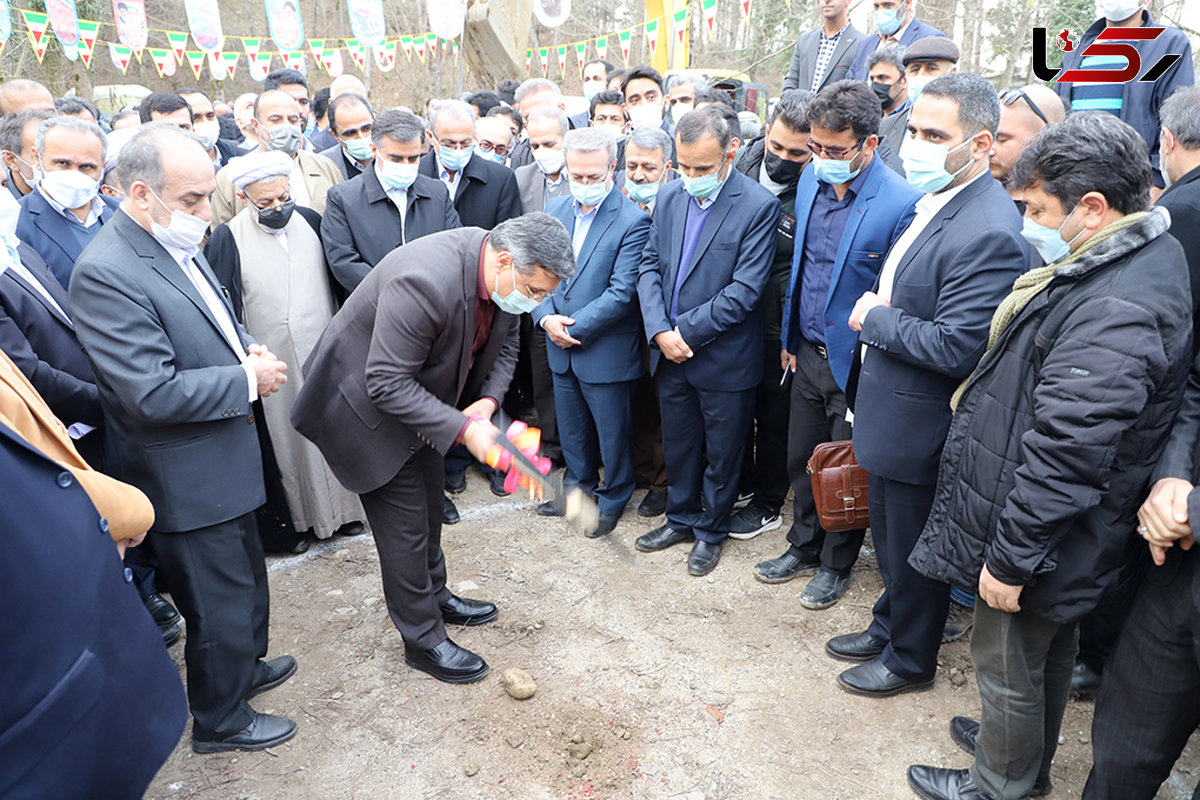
(218,579)
(543,393)
(911,612)
(1149,704)
(405,515)
(704,431)
(817,414)
(765,464)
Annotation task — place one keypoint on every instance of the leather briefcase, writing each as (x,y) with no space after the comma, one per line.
(839,486)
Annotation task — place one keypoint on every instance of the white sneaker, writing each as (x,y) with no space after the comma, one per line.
(751,521)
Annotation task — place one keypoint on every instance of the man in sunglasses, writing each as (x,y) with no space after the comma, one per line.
(1023,113)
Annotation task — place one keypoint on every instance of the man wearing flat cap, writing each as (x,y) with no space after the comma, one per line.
(269,257)
(924,60)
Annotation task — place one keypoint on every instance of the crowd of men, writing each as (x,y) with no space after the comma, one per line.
(242,327)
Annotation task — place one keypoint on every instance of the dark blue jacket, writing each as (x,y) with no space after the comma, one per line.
(1141,101)
(92,702)
(41,342)
(602,296)
(870,43)
(57,240)
(879,215)
(947,286)
(719,314)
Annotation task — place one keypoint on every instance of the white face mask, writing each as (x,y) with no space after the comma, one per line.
(1118,10)
(208,132)
(184,231)
(1162,162)
(679,109)
(549,161)
(69,188)
(646,115)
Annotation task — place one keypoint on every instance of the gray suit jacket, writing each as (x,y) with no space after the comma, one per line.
(176,401)
(386,375)
(804,59)
(893,129)
(535,194)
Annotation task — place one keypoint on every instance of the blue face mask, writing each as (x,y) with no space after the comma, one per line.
(702,186)
(833,171)
(591,194)
(489,155)
(515,302)
(397,177)
(887,20)
(453,160)
(925,164)
(642,192)
(358,149)
(1049,241)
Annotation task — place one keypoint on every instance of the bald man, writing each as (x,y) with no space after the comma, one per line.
(21,94)
(346,84)
(1023,113)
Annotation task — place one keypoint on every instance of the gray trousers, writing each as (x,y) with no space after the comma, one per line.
(1023,665)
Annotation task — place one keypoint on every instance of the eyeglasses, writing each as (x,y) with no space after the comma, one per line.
(498,149)
(532,294)
(1010,96)
(835,153)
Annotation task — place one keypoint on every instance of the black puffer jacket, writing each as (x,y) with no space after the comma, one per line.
(1054,441)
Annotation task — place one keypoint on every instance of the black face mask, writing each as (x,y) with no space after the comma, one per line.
(781,170)
(277,218)
(883,92)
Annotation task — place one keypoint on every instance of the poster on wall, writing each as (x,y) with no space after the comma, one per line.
(130,16)
(366,21)
(287,29)
(204,18)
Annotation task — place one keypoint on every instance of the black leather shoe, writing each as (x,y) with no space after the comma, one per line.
(855,647)
(824,590)
(653,504)
(1085,681)
(703,558)
(606,525)
(873,679)
(265,730)
(456,482)
(449,512)
(271,674)
(939,783)
(661,538)
(551,508)
(447,662)
(461,611)
(964,731)
(352,529)
(161,609)
(496,482)
(170,633)
(786,567)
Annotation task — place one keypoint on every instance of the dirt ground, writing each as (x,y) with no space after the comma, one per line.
(651,683)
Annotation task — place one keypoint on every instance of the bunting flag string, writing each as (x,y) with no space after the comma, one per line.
(746,8)
(207,39)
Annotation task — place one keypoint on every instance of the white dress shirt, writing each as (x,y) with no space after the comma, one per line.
(93,215)
(186,261)
(399,198)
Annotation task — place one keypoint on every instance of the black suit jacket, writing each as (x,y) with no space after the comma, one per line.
(348,167)
(946,288)
(384,377)
(176,400)
(227,150)
(93,704)
(362,225)
(1182,199)
(41,342)
(487,194)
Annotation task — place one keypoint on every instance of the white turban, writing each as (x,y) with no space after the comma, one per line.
(258,166)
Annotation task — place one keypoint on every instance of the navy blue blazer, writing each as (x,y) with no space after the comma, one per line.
(93,704)
(719,313)
(946,288)
(602,296)
(884,207)
(41,342)
(870,43)
(45,230)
